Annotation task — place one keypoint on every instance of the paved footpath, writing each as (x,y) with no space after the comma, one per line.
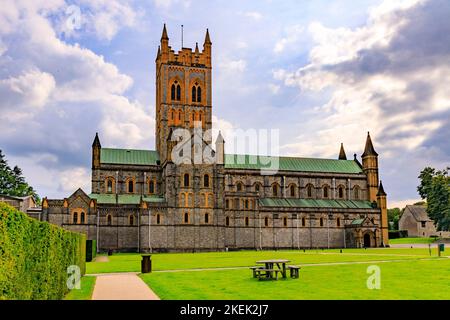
(123,286)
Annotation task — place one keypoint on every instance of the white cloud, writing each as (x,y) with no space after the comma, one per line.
(59,94)
(232,66)
(255,15)
(166,4)
(293,35)
(388,77)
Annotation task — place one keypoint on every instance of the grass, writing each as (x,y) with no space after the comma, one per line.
(177,261)
(412,240)
(85,291)
(405,274)
(399,280)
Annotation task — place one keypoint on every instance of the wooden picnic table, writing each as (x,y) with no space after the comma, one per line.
(270,265)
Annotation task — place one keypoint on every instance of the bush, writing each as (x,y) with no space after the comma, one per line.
(398,234)
(91,250)
(34,257)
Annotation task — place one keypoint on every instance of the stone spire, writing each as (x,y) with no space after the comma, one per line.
(342,155)
(96,142)
(369,149)
(381,192)
(207,39)
(164,33)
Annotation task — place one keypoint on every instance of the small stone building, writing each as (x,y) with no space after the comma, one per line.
(416,221)
(25,204)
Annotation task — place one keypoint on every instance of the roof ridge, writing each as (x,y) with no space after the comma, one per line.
(285,157)
(131,149)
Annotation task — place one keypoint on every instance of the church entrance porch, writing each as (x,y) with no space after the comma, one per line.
(362,233)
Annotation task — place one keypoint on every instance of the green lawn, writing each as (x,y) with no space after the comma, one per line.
(399,280)
(404,274)
(85,291)
(411,240)
(176,261)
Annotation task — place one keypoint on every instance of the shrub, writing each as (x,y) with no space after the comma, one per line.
(91,250)
(34,256)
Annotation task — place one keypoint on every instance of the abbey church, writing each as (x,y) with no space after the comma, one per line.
(148,201)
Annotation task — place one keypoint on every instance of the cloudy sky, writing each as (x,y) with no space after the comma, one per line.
(323,72)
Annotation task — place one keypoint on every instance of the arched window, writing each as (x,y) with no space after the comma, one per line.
(266,221)
(284,222)
(130,186)
(186,217)
(227,221)
(199,94)
(356,193)
(75,218)
(178,93)
(246,203)
(321,222)
(325,191)
(194,94)
(172,92)
(292,190)
(200,116)
(179,115)
(257,187)
(158,219)
(186,179)
(247,221)
(206,217)
(151,186)
(109,219)
(341,192)
(309,191)
(303,222)
(227,203)
(239,187)
(82,217)
(131,220)
(236,203)
(338,222)
(206,181)
(109,185)
(275,190)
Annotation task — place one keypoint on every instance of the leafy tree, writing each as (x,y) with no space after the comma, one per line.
(12,181)
(435,188)
(393,217)
(426,179)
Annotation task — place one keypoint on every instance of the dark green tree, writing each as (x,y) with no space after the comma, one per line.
(426,179)
(435,188)
(393,217)
(12,182)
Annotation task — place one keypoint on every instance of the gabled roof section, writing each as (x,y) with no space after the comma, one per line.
(313,203)
(233,161)
(418,212)
(129,156)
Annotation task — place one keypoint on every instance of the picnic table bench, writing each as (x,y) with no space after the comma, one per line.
(294,271)
(267,274)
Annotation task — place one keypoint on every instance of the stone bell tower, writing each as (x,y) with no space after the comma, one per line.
(183,90)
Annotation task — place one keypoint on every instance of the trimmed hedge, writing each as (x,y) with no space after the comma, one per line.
(396,234)
(91,250)
(34,257)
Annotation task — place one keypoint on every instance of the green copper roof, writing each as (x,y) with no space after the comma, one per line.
(107,198)
(233,161)
(357,221)
(313,203)
(129,156)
